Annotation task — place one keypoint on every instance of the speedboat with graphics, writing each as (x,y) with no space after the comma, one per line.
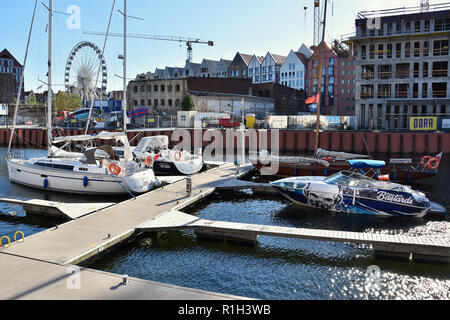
(361,190)
(154,152)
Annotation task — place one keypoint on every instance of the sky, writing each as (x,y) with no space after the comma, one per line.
(247,26)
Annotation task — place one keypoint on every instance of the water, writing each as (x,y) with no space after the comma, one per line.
(280,268)
(12,217)
(276,268)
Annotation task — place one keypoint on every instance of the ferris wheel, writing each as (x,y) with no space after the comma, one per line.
(81,71)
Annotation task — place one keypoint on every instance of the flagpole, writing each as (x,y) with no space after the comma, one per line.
(319,90)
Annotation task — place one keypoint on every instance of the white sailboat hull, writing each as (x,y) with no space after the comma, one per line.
(24,173)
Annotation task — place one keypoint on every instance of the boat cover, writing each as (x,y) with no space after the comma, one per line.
(321,153)
(367,164)
(156,142)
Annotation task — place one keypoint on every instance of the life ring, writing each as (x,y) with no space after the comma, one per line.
(434,166)
(148,161)
(426,160)
(178,156)
(115,169)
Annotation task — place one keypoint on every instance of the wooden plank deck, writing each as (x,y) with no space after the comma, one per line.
(423,246)
(78,240)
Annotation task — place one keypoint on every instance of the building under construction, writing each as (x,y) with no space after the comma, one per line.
(402,65)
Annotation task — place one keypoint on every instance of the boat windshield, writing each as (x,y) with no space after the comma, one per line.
(350,179)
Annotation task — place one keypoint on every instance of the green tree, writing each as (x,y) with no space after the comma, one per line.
(32,100)
(67,102)
(188,103)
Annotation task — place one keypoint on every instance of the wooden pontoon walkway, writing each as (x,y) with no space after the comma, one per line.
(78,240)
(427,248)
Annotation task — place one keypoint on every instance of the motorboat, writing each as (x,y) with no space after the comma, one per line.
(362,190)
(154,152)
(95,171)
(327,163)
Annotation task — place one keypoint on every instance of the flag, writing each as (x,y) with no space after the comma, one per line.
(384,178)
(313,100)
(143,112)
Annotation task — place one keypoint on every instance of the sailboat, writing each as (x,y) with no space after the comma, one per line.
(96,171)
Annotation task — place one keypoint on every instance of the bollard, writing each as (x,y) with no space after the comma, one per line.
(125,279)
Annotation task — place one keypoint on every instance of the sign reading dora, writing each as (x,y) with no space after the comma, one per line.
(423,123)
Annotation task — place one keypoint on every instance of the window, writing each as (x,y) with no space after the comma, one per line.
(389,50)
(177,88)
(142,102)
(440,48)
(155,88)
(372,51)
(425,69)
(135,89)
(163,102)
(442,24)
(417,26)
(142,88)
(426,49)
(163,88)
(380,51)
(427,26)
(169,88)
(398,50)
(155,103)
(398,27)
(407,49)
(170,102)
(135,103)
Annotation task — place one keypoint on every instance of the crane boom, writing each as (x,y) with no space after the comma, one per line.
(188,41)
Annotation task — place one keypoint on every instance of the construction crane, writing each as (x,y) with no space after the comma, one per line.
(189,41)
(316,22)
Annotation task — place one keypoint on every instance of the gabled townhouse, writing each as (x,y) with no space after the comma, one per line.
(168,72)
(222,68)
(191,69)
(208,68)
(293,71)
(239,66)
(178,73)
(254,69)
(271,67)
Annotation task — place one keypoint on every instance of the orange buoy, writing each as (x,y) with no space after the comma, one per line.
(426,160)
(148,161)
(433,164)
(178,156)
(115,169)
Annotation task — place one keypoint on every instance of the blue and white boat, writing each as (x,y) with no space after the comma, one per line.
(357,191)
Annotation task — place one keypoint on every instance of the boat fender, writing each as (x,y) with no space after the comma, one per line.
(45,183)
(178,156)
(85,182)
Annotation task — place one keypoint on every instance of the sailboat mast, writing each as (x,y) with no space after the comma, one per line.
(49,94)
(321,66)
(124,102)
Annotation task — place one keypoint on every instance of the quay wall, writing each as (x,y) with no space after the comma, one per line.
(290,141)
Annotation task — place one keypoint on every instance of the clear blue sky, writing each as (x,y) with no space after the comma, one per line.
(248,26)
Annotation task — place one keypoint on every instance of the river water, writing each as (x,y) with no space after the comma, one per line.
(276,268)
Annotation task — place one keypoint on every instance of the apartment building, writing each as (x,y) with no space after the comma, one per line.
(239,66)
(330,77)
(9,65)
(293,70)
(271,67)
(254,69)
(402,67)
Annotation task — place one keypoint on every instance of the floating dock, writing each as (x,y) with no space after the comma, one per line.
(418,248)
(37,267)
(78,240)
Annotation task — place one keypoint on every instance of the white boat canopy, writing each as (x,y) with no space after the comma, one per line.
(156,142)
(104,135)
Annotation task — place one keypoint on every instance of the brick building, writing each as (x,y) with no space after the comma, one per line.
(288,101)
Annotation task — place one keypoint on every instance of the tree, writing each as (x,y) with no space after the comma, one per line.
(32,100)
(67,102)
(188,103)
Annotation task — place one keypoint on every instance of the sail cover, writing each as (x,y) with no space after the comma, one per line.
(339,155)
